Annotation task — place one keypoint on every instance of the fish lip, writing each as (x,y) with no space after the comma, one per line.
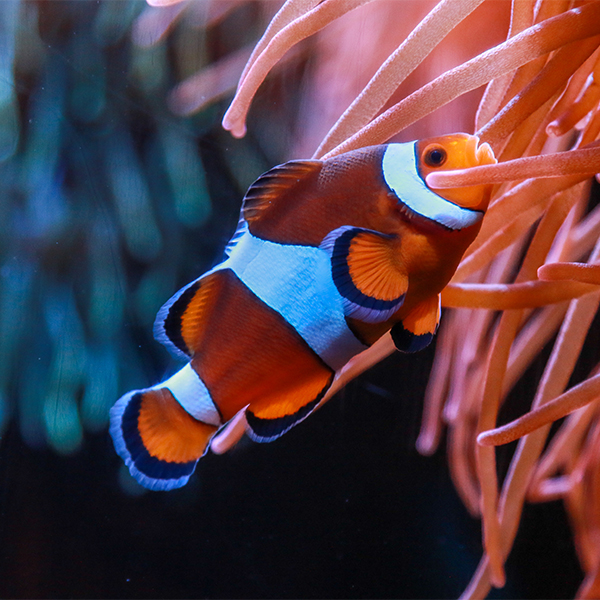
(479,153)
(485,154)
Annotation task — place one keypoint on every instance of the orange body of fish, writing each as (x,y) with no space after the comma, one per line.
(329,255)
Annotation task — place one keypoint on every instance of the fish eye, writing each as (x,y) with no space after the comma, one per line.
(435,157)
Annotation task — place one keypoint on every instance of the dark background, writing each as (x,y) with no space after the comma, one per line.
(340,507)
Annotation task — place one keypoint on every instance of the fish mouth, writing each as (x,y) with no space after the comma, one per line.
(475,154)
(479,154)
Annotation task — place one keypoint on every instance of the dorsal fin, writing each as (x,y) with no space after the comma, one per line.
(271,185)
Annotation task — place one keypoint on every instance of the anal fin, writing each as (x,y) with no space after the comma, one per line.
(271,417)
(367,273)
(417,329)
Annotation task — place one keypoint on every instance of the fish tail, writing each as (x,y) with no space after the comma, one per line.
(162,432)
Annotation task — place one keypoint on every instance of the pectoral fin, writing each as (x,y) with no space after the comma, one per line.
(417,329)
(366,272)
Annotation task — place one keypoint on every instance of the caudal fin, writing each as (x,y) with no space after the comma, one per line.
(159,441)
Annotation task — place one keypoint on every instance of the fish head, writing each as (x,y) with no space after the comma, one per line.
(451,152)
(405,168)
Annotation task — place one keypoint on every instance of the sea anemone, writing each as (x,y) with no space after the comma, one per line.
(531,275)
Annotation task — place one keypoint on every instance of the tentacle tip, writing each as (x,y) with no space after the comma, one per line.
(224,441)
(542,273)
(231,434)
(238,132)
(498,578)
(435,180)
(426,445)
(218,445)
(485,439)
(178,104)
(554,129)
(236,127)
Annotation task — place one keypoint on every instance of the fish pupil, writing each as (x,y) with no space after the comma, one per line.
(435,157)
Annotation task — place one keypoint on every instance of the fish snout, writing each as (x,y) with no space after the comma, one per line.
(477,154)
(474,154)
(485,155)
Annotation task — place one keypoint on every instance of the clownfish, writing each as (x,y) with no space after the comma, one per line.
(328,256)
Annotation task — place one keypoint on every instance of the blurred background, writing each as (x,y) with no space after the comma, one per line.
(117,188)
